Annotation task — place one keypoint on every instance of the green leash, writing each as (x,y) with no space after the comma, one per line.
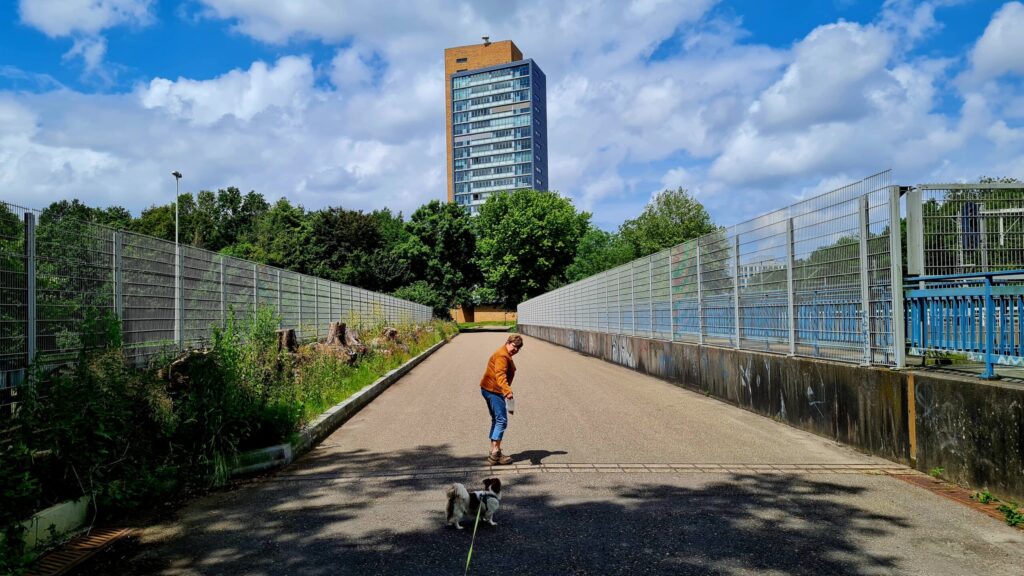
(475,524)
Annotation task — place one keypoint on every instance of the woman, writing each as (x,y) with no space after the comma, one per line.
(496,387)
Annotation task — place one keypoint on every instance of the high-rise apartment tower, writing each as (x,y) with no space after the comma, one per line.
(496,120)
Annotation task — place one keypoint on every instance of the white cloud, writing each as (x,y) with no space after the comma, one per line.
(677,177)
(285,85)
(999,50)
(90,50)
(57,18)
(351,69)
(815,89)
(84,21)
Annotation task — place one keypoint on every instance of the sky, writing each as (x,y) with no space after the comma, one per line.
(749,105)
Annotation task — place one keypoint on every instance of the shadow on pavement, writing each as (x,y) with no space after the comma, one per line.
(535,457)
(549,524)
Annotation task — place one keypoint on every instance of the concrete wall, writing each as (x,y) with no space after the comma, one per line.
(972,429)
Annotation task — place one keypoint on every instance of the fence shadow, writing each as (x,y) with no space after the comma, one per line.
(549,524)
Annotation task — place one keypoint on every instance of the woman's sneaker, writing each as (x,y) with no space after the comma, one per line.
(497,458)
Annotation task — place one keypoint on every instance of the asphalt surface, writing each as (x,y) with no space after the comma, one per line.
(615,473)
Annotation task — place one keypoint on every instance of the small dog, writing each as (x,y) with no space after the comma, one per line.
(462,502)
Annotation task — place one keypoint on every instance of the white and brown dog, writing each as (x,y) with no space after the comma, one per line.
(462,502)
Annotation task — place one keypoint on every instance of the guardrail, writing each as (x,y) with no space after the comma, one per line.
(978,315)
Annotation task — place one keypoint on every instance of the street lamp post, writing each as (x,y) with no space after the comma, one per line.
(178,333)
(177,179)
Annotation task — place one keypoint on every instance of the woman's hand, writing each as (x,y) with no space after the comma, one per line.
(508,396)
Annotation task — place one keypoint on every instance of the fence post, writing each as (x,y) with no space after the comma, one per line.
(316,308)
(736,285)
(650,296)
(865,288)
(899,319)
(280,307)
(118,244)
(179,297)
(990,328)
(607,313)
(983,232)
(671,303)
(618,300)
(255,291)
(632,298)
(700,298)
(30,288)
(791,295)
(915,233)
(223,294)
(298,330)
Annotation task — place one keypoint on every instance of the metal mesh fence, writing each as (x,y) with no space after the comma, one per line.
(55,274)
(813,279)
(967,229)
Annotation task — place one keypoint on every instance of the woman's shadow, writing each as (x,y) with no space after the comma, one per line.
(536,456)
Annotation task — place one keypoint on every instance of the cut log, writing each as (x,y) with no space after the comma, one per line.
(287,341)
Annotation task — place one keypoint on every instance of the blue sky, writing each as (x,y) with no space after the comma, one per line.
(748,104)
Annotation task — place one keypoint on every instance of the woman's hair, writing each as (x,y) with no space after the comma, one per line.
(515,339)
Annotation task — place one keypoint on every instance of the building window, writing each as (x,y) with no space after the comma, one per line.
(461,70)
(461,60)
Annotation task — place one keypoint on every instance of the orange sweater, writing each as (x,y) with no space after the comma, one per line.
(500,372)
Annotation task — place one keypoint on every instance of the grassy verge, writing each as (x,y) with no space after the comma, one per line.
(326,381)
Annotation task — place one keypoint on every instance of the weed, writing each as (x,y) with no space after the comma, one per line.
(983,497)
(1014,515)
(937,472)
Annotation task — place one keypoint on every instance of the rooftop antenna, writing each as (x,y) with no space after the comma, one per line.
(487,40)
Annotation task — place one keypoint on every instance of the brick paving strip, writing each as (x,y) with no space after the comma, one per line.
(457,473)
(64,559)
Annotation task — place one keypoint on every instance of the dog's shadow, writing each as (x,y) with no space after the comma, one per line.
(536,456)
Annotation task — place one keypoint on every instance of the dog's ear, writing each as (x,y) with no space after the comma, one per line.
(493,484)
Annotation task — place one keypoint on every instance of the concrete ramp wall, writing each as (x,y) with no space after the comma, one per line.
(973,430)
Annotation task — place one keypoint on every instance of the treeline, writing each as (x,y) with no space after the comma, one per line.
(523,243)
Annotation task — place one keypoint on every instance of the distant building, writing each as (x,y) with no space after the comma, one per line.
(496,121)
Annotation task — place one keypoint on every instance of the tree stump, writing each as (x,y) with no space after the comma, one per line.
(351,338)
(287,341)
(335,334)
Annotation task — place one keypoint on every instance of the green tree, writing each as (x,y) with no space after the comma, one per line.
(597,251)
(441,250)
(672,217)
(525,240)
(422,292)
(281,239)
(114,217)
(349,246)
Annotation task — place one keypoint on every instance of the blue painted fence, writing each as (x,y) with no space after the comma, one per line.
(978,315)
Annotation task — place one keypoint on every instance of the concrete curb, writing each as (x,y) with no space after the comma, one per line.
(263,459)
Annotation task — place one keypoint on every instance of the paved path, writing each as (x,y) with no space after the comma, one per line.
(616,473)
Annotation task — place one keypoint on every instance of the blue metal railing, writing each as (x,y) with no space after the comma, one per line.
(824,319)
(979,315)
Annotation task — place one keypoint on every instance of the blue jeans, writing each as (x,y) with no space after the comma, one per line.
(499,417)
